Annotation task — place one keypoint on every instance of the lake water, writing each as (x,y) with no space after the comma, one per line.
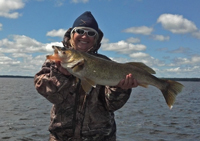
(24,114)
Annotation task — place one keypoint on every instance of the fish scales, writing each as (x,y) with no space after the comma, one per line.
(93,70)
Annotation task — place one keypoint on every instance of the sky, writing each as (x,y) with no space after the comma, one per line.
(163,34)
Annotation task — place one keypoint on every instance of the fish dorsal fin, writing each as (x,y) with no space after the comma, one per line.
(142,66)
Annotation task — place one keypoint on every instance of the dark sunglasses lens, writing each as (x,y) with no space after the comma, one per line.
(80,31)
(91,33)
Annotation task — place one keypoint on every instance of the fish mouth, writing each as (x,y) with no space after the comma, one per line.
(56,49)
(63,53)
(60,51)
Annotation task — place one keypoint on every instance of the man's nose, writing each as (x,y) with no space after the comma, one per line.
(85,35)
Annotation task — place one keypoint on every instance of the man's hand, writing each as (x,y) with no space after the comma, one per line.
(61,69)
(128,83)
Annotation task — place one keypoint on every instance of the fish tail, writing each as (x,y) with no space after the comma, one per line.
(171,91)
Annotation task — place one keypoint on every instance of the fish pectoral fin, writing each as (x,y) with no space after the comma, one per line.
(86,86)
(76,65)
(92,83)
(142,66)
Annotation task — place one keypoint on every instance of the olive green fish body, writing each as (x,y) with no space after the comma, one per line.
(106,72)
(94,71)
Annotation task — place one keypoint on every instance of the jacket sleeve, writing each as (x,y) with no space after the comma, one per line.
(49,82)
(116,97)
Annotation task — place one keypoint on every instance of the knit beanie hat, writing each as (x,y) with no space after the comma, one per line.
(86,20)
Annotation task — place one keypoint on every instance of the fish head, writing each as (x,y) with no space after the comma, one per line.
(69,58)
(60,54)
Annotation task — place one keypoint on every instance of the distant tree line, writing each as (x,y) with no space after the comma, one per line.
(183,79)
(175,79)
(15,76)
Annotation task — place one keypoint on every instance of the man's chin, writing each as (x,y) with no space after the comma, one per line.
(80,49)
(84,49)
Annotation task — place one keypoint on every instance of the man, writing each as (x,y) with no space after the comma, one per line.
(76,116)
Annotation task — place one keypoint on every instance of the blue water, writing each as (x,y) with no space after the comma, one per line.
(145,117)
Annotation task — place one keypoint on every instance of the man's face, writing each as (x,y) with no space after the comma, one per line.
(82,41)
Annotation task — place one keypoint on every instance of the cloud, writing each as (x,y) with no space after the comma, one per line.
(1,26)
(146,58)
(133,40)
(104,40)
(184,72)
(181,50)
(8,6)
(59,2)
(22,55)
(5,59)
(48,47)
(56,33)
(21,44)
(195,59)
(24,44)
(79,1)
(192,61)
(162,49)
(139,55)
(196,34)
(144,30)
(122,47)
(134,52)
(160,37)
(176,24)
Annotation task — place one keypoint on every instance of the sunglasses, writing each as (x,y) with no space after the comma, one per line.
(90,33)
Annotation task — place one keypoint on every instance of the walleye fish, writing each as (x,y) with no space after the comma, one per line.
(93,70)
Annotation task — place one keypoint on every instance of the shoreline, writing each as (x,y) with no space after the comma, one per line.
(175,79)
(15,76)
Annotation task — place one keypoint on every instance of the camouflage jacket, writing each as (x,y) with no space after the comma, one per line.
(76,116)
